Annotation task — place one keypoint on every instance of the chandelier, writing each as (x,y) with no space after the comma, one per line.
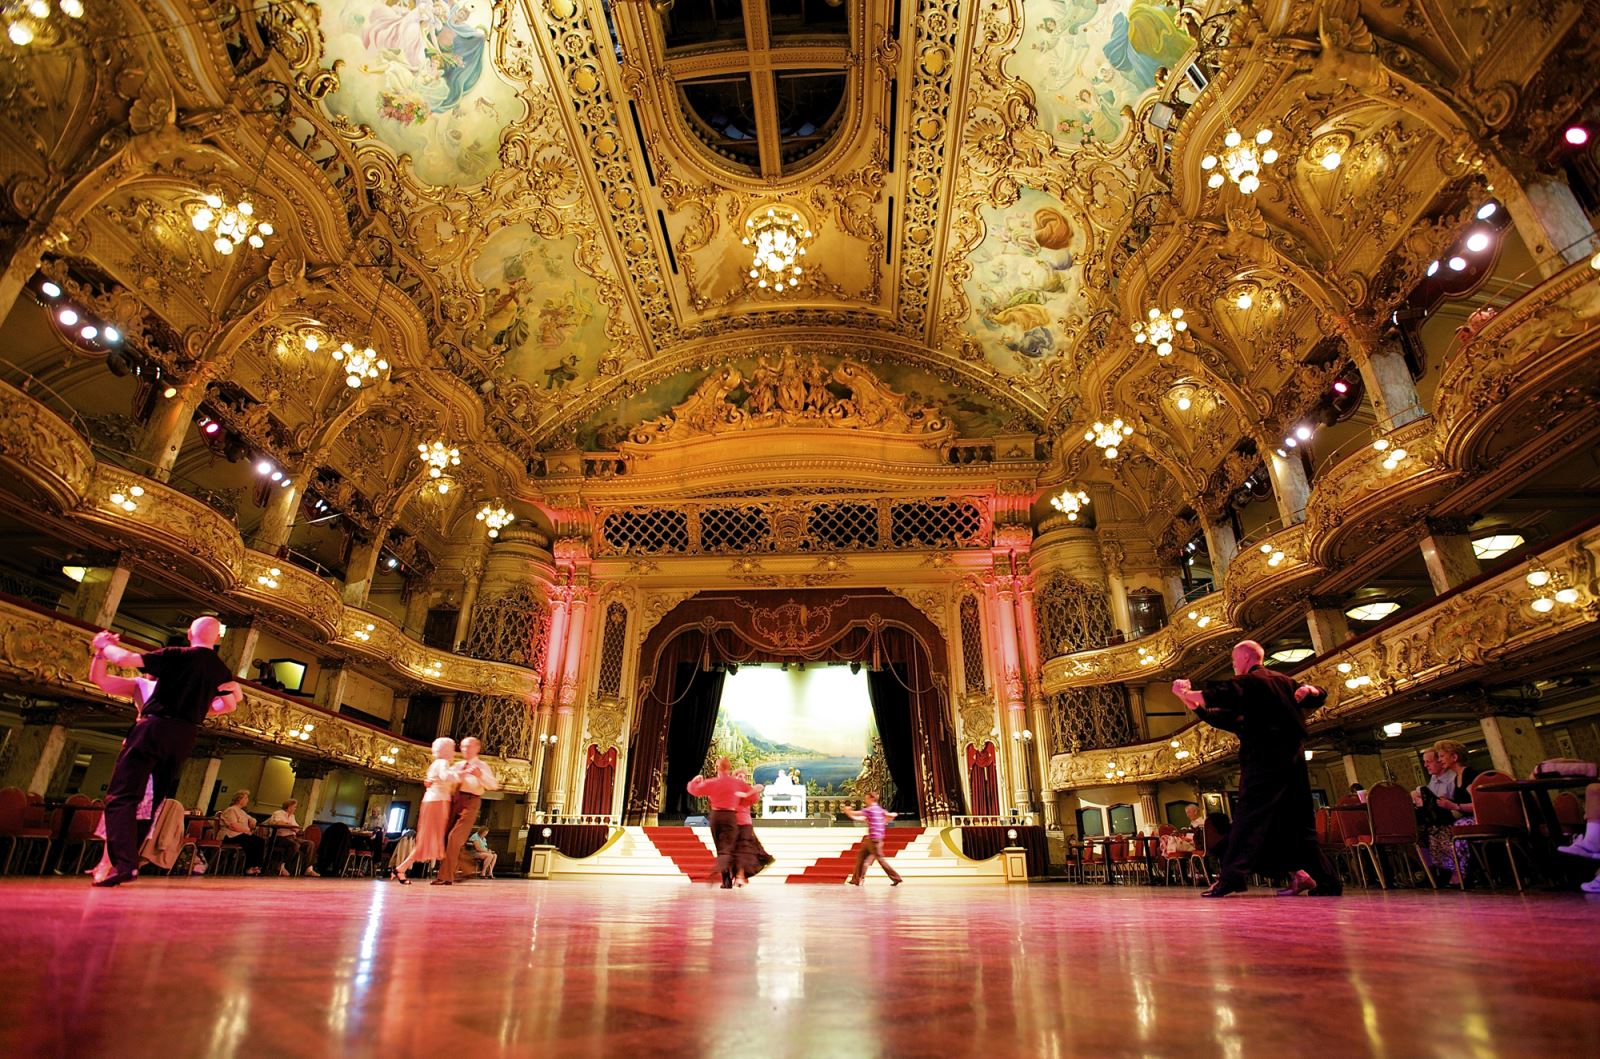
(26,19)
(359,364)
(1159,329)
(232,225)
(439,459)
(1107,437)
(1241,160)
(1070,502)
(777,237)
(496,518)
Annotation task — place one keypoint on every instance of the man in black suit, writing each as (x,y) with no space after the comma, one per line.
(1274,830)
(191,683)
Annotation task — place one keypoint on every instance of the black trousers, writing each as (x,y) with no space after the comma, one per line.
(725,833)
(154,752)
(1274,831)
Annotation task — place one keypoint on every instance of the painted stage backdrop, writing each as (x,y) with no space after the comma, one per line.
(816,724)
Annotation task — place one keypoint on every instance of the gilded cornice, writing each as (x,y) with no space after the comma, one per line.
(1476,631)
(50,656)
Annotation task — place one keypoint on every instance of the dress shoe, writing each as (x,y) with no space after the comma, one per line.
(114,880)
(313,873)
(896,882)
(1224,889)
(1590,887)
(1302,883)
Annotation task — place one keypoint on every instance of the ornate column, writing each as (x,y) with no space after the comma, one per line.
(1290,486)
(1012,689)
(1327,625)
(417,604)
(1148,805)
(330,686)
(1514,744)
(566,745)
(308,777)
(1112,555)
(238,648)
(1387,379)
(1547,215)
(447,714)
(555,648)
(363,565)
(208,781)
(277,522)
(100,593)
(1038,749)
(397,713)
(1221,545)
(1361,760)
(162,440)
(39,746)
(472,569)
(1447,553)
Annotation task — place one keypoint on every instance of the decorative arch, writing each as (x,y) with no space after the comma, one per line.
(874,627)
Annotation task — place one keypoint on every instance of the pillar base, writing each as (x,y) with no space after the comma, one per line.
(541,861)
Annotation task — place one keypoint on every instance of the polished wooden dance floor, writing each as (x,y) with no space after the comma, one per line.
(346,967)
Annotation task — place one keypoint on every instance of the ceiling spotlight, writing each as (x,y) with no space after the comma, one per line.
(276,475)
(1303,433)
(1487,210)
(1340,386)
(1458,263)
(392,563)
(68,317)
(1393,729)
(112,335)
(170,392)
(90,332)
(264,467)
(1478,242)
(210,426)
(1184,404)
(1331,160)
(1433,267)
(1289,442)
(1576,135)
(1282,452)
(49,290)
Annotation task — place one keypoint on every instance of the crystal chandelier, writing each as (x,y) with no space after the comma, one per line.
(26,19)
(496,518)
(1159,329)
(232,225)
(1070,502)
(359,364)
(777,237)
(1107,437)
(439,459)
(1241,160)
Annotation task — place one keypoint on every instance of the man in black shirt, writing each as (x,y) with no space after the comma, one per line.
(1274,831)
(191,683)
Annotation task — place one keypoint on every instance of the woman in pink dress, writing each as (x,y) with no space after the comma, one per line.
(434,819)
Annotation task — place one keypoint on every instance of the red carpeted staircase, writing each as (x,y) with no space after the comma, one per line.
(835,869)
(687,852)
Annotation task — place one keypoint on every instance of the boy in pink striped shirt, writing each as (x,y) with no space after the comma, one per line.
(877,818)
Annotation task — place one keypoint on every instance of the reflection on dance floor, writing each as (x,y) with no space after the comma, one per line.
(342,967)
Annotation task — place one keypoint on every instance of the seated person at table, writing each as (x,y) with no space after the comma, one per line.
(1456,808)
(478,843)
(289,837)
(1197,818)
(239,829)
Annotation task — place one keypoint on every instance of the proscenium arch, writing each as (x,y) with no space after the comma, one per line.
(731,613)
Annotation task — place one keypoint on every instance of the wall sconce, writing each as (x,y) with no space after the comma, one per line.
(1549,589)
(365,634)
(1200,620)
(1114,773)
(1145,657)
(1392,456)
(390,757)
(1353,678)
(1274,557)
(301,732)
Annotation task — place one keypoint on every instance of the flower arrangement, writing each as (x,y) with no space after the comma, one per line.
(407,110)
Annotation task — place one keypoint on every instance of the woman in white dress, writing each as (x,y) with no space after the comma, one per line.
(434,819)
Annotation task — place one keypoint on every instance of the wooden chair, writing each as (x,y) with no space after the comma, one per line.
(1498,819)
(1355,829)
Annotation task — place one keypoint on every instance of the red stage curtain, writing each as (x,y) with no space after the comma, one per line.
(984,779)
(597,781)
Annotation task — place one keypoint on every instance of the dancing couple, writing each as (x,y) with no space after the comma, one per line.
(739,852)
(449,808)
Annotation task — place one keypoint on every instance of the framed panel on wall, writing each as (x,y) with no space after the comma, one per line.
(1123,822)
(1091,822)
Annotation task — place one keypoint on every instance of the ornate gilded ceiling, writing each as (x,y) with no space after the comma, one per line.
(534,207)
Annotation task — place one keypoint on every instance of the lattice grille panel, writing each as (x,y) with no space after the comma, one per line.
(735,529)
(509,629)
(1071,615)
(653,531)
(500,721)
(972,644)
(831,527)
(613,642)
(952,524)
(1089,719)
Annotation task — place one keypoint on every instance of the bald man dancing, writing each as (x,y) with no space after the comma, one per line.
(1274,828)
(191,683)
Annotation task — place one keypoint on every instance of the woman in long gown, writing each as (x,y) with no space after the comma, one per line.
(749,855)
(434,819)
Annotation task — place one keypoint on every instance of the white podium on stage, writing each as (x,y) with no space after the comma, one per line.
(783,797)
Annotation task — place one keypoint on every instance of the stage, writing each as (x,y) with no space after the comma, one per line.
(234,967)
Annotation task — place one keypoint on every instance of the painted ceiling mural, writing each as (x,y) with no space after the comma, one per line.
(543,318)
(419,74)
(1088,59)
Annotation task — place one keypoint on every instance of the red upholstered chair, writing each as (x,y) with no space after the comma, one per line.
(1355,830)
(202,835)
(1569,812)
(80,836)
(1391,822)
(18,832)
(1498,819)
